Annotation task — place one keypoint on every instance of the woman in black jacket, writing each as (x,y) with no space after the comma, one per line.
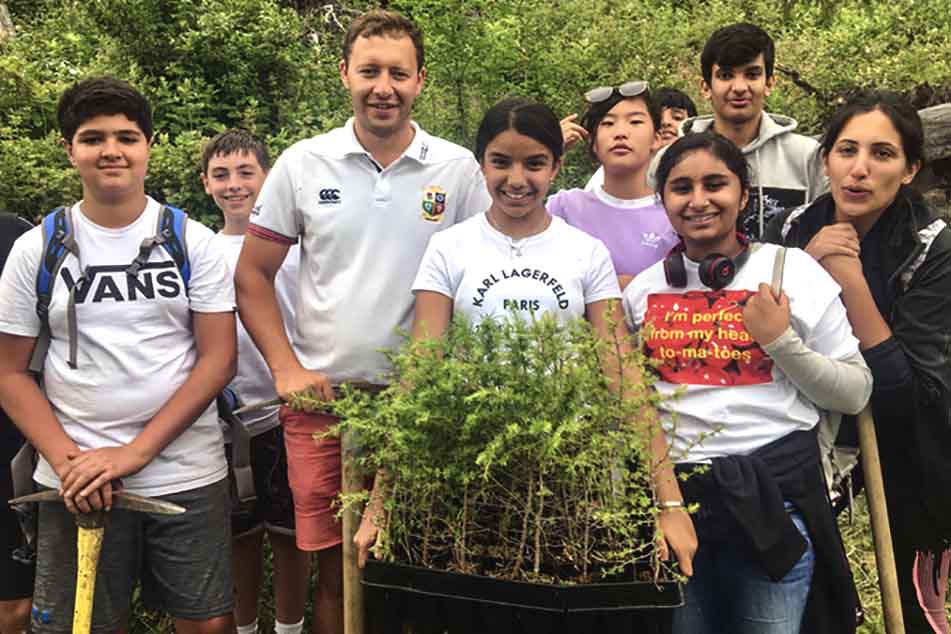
(891,255)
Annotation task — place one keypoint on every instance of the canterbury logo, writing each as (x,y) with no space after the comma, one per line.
(329,196)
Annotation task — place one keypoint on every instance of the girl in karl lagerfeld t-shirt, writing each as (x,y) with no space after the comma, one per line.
(516,259)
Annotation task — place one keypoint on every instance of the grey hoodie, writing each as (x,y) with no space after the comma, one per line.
(786,169)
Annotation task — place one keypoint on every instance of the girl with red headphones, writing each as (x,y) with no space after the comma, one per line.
(747,368)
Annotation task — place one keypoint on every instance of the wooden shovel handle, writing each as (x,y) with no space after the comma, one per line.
(353,606)
(881,531)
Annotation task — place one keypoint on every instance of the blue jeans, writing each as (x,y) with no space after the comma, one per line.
(730,593)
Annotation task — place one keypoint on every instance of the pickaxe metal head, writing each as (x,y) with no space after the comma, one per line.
(120,500)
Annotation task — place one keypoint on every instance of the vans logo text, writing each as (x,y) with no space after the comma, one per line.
(114,284)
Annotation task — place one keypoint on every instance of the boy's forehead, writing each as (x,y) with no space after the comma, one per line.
(235,160)
(758,62)
(109,123)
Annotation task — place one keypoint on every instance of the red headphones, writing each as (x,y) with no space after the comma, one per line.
(716,270)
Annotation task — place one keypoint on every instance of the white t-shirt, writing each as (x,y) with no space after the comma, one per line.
(253,382)
(723,394)
(135,343)
(596,181)
(363,231)
(488,274)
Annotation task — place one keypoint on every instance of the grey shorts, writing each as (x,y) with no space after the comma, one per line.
(182,561)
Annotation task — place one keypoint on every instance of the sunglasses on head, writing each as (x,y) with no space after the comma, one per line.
(627,89)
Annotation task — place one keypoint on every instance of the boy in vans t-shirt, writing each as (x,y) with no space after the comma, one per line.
(135,360)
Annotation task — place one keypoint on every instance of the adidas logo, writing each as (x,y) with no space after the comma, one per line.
(651,239)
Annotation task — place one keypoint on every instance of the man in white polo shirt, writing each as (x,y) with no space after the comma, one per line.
(363,200)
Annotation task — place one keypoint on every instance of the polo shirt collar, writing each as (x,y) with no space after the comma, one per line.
(420,148)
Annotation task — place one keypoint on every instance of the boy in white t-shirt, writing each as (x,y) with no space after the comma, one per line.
(136,356)
(233,167)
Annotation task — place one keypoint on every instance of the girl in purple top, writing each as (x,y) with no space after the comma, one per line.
(621,127)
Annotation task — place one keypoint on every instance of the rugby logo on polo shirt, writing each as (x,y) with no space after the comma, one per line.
(434,203)
(328,196)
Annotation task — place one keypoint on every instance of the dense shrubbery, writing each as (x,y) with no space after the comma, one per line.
(508,454)
(204,66)
(271,66)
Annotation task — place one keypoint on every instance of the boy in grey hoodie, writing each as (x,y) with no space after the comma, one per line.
(737,66)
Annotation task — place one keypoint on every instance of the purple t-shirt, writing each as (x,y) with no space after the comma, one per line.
(636,232)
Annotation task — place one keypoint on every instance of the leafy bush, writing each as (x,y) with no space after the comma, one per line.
(271,66)
(508,454)
(203,65)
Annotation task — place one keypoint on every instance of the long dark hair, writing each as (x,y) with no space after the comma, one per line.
(898,110)
(534,120)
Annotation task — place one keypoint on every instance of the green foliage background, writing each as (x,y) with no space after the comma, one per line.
(271,66)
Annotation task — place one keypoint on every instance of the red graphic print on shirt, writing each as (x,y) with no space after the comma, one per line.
(698,338)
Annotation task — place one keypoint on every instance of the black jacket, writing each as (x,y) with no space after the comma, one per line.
(11,228)
(911,400)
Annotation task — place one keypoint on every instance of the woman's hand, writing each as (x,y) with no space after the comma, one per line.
(846,270)
(678,535)
(572,132)
(765,316)
(837,239)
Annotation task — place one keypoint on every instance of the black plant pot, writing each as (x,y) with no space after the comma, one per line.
(401,598)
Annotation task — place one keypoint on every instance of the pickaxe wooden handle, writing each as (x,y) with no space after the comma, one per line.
(89,531)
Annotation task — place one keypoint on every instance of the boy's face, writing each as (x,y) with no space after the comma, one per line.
(737,95)
(670,120)
(383,81)
(234,182)
(111,155)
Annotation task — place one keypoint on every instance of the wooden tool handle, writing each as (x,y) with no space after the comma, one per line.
(881,532)
(351,482)
(88,545)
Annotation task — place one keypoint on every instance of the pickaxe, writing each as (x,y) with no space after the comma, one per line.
(89,530)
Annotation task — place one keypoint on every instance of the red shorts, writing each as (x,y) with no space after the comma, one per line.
(313,471)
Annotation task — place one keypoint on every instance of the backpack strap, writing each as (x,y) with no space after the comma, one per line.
(58,242)
(21,470)
(170,234)
(241,472)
